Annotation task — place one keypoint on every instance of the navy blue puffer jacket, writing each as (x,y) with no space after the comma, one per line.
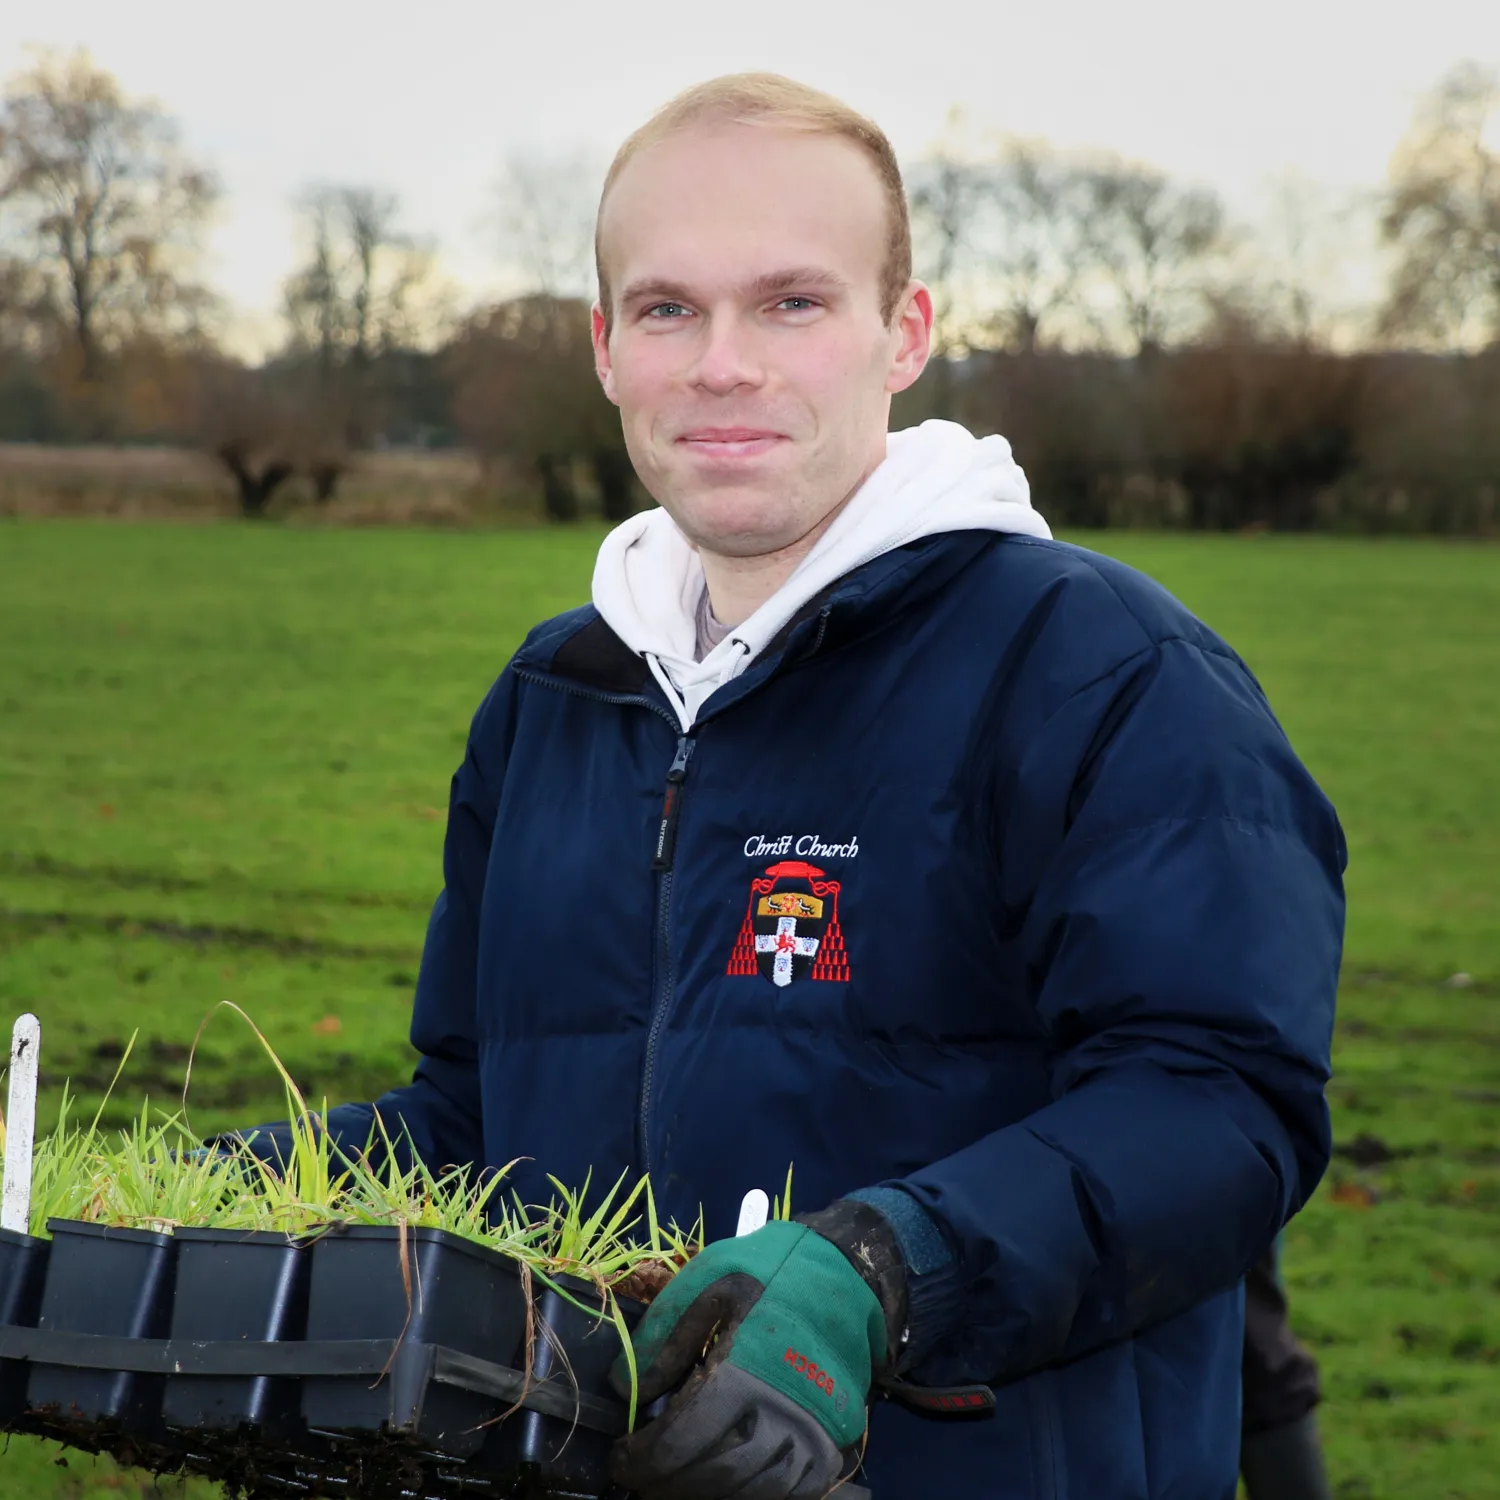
(995,879)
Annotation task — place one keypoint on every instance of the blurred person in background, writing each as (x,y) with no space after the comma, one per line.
(1281,1457)
(859,824)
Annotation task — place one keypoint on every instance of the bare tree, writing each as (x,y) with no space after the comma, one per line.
(237,416)
(544,209)
(1442,215)
(108,206)
(950,190)
(524,388)
(1148,240)
(366,289)
(366,286)
(523,369)
(1290,279)
(1014,236)
(25,319)
(1302,243)
(1039,241)
(15,268)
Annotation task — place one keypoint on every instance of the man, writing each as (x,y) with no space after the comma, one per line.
(858,825)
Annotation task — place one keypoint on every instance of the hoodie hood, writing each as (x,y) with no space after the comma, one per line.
(935,478)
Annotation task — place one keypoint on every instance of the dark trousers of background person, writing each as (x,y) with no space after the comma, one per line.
(1280,1455)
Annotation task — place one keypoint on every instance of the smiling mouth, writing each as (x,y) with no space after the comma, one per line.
(730,443)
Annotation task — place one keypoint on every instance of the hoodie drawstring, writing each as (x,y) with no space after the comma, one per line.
(733,667)
(664,682)
(734,663)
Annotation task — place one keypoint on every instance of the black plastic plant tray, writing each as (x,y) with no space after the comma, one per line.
(565,1451)
(404,1378)
(366,1360)
(423,1288)
(23,1268)
(102,1281)
(245,1286)
(371,1466)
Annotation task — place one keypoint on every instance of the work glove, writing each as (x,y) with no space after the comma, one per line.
(775,1339)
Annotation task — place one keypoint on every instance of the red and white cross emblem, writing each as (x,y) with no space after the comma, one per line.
(785,943)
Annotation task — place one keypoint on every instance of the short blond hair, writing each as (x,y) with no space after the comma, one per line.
(783,103)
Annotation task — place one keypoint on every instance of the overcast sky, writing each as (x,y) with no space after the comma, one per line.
(426,97)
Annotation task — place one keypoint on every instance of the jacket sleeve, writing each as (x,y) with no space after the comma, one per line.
(438,1112)
(1173,877)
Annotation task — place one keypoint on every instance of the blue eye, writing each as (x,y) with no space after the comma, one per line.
(805,301)
(666,310)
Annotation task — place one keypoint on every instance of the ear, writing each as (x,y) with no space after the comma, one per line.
(911,337)
(603,366)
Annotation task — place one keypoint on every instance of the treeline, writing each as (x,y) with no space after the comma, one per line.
(1246,435)
(1152,362)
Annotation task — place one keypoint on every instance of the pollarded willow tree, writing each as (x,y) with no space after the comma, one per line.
(103,205)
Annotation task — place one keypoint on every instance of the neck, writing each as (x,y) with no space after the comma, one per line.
(738,586)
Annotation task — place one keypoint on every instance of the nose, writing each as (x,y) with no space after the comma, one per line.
(726,358)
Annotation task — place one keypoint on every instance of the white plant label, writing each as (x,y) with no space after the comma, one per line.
(20,1117)
(755,1209)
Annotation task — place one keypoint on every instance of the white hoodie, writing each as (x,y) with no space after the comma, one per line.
(937,477)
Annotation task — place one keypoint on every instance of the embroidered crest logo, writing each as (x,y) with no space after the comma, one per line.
(791,928)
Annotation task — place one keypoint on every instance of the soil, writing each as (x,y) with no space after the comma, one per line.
(647,1281)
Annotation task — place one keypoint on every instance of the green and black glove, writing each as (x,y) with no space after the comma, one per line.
(775,1338)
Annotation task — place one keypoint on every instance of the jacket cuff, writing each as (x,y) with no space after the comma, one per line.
(934,1285)
(865,1238)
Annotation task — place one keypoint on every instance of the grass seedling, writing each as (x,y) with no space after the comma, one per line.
(308,1186)
(666,1250)
(156,1177)
(380,1190)
(594,1245)
(63,1163)
(61,1174)
(617,1316)
(781,1208)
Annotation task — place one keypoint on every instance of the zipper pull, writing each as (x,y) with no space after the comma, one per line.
(666,833)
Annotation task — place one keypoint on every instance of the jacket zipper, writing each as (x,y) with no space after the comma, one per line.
(663,857)
(671,805)
(597,695)
(661,999)
(661,866)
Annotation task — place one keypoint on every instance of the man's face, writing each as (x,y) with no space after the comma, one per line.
(748,354)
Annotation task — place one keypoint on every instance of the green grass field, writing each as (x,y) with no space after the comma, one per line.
(224,752)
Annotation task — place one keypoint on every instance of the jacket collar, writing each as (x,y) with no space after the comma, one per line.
(581,650)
